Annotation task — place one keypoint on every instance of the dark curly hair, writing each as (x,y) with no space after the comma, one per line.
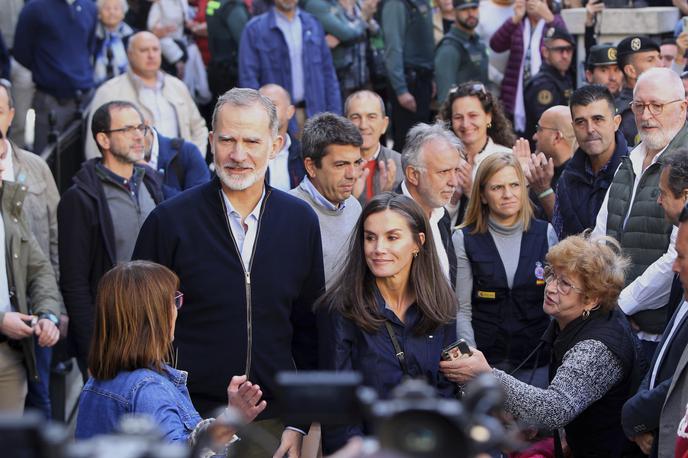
(500,131)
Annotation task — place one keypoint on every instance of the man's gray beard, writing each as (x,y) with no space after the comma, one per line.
(242,183)
(659,140)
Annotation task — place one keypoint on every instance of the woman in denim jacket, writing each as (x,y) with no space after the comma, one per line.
(136,309)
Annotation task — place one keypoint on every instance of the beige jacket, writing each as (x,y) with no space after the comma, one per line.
(191,124)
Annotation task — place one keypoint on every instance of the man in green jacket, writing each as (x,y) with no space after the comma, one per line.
(461,56)
(26,275)
(226,20)
(409,59)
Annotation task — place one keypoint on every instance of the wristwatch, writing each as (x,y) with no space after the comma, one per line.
(50,316)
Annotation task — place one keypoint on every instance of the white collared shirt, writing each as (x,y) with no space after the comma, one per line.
(8,163)
(244,233)
(155,152)
(5,305)
(683,309)
(651,289)
(435,218)
(279,168)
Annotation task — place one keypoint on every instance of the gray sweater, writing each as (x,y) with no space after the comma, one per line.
(335,228)
(508,242)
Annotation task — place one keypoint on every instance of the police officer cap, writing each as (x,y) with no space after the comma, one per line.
(604,54)
(634,44)
(558,33)
(461,4)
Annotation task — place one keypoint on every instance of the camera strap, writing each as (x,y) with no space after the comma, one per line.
(397,348)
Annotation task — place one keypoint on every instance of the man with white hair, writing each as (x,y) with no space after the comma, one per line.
(431,162)
(630,212)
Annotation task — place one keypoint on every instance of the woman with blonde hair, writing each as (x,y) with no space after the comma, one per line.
(595,359)
(136,310)
(500,251)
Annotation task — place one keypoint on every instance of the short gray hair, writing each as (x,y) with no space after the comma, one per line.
(123,3)
(421,134)
(361,94)
(245,97)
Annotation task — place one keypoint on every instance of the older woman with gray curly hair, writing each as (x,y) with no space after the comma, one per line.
(595,360)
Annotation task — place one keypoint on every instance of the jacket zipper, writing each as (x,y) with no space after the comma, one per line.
(247,276)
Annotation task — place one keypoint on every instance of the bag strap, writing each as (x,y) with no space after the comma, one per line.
(397,348)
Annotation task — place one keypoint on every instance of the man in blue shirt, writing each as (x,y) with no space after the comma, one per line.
(287,46)
(55,40)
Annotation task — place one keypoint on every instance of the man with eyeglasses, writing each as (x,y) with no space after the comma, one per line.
(553,84)
(100,215)
(630,212)
(461,56)
(554,142)
(641,413)
(164,100)
(635,55)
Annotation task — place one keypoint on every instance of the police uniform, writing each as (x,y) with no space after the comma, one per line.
(409,61)
(601,55)
(548,88)
(627,46)
(460,57)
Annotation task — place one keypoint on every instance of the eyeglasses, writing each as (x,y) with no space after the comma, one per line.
(655,108)
(560,49)
(129,130)
(538,128)
(178,299)
(563,286)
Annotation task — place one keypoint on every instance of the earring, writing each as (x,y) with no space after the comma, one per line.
(415,254)
(586,314)
(489,124)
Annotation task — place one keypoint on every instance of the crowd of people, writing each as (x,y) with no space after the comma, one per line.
(246,206)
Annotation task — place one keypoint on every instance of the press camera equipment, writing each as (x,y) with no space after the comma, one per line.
(412,423)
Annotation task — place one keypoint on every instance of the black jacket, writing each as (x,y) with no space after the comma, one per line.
(256,321)
(86,246)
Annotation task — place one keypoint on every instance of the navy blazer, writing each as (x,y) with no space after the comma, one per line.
(641,413)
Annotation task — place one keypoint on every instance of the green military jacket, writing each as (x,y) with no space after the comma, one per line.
(29,272)
(408,34)
(459,58)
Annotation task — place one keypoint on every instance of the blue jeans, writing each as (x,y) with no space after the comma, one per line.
(38,396)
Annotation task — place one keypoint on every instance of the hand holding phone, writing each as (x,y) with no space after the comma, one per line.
(458,349)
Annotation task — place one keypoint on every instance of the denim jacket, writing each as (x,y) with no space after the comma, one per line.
(164,397)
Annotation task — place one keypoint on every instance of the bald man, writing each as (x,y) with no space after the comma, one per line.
(554,146)
(286,170)
(587,177)
(163,99)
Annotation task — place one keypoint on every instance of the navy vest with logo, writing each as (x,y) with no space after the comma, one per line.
(508,323)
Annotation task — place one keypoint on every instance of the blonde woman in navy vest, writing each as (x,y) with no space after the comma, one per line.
(500,251)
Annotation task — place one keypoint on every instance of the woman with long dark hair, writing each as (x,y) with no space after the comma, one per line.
(390,297)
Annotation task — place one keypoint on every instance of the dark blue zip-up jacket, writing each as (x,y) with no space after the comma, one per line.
(580,193)
(345,347)
(228,323)
(264,58)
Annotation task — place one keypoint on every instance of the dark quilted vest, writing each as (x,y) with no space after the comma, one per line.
(646,235)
